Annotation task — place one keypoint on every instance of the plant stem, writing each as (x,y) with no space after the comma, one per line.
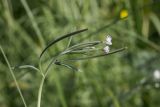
(40,92)
(43,79)
(14,78)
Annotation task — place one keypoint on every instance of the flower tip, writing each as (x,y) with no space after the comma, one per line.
(108,40)
(106,49)
(156,74)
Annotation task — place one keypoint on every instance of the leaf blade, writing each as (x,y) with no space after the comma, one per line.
(61,38)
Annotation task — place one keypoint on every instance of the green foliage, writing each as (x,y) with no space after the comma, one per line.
(124,79)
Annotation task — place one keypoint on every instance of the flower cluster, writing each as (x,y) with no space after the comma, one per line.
(108,42)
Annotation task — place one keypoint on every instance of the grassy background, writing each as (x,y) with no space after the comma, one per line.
(124,79)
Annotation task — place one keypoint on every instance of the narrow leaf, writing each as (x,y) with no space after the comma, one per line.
(156,21)
(61,38)
(100,55)
(83,45)
(66,65)
(26,66)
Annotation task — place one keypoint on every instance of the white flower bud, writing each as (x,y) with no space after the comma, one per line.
(156,74)
(106,49)
(108,40)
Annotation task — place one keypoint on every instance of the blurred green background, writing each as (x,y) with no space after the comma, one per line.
(124,79)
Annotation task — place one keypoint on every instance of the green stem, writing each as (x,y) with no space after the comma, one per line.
(14,78)
(43,79)
(40,92)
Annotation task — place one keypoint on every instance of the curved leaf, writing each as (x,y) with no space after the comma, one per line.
(61,38)
(26,66)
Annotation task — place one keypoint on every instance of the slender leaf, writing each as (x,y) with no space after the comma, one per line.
(100,55)
(61,38)
(26,66)
(156,21)
(66,65)
(84,45)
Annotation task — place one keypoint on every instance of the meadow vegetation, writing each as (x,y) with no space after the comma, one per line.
(51,53)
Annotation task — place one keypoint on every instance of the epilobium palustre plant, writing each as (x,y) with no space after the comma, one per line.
(81,48)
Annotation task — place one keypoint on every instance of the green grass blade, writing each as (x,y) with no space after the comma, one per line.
(14,78)
(33,21)
(156,21)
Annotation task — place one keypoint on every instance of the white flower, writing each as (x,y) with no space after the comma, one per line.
(108,40)
(106,49)
(156,74)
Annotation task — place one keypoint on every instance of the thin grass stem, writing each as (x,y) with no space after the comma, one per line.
(14,78)
(34,23)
